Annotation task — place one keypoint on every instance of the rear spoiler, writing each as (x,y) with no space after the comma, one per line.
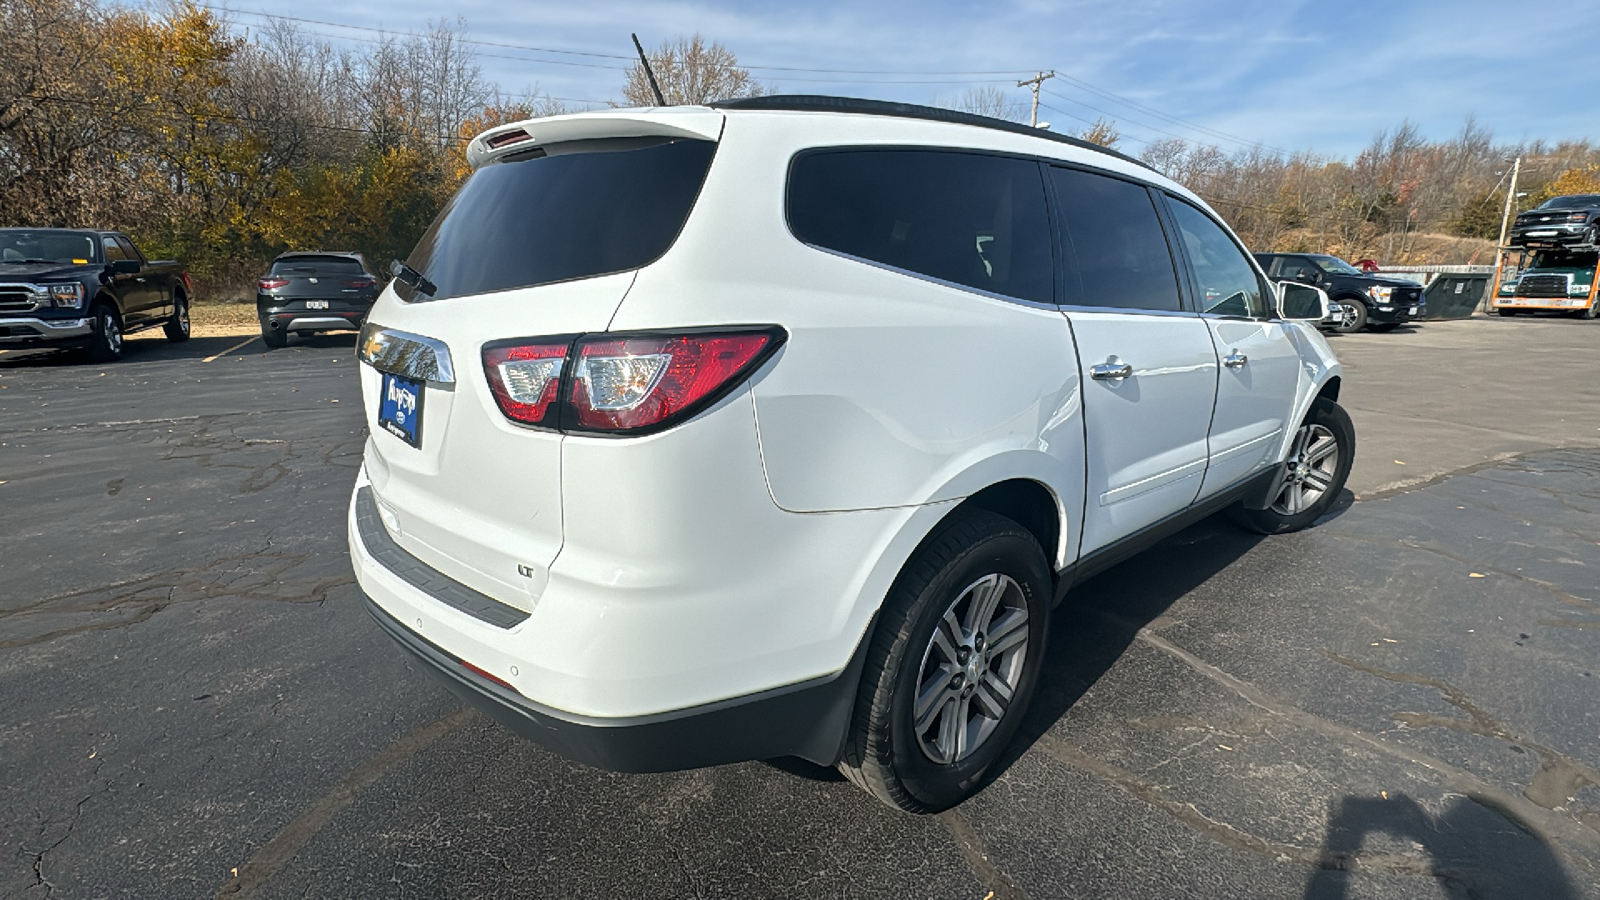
(678,121)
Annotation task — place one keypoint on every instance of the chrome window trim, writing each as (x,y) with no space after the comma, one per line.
(402,353)
(1135,311)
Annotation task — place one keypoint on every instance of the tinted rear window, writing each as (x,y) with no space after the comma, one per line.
(317,265)
(1117,247)
(569,211)
(970,219)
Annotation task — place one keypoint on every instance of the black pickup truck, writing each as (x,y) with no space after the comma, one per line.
(1573,219)
(1360,300)
(68,287)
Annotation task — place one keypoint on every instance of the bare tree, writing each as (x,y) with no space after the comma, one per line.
(691,72)
(991,101)
(1102,132)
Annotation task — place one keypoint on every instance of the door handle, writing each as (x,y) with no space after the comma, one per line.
(1235,360)
(1110,370)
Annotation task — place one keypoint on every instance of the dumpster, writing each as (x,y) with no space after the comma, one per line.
(1452,292)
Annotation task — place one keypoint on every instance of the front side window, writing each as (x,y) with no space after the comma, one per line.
(1333,265)
(113,250)
(970,219)
(565,211)
(1297,268)
(1225,282)
(1117,250)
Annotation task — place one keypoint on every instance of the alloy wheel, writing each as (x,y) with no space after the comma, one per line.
(1347,315)
(1312,467)
(971,669)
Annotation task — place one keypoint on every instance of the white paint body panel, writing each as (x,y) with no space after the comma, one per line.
(1146,433)
(749,548)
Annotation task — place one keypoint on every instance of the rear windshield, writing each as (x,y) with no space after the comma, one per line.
(566,211)
(317,265)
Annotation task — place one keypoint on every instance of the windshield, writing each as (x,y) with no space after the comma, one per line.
(1562,259)
(1333,265)
(1576,200)
(566,211)
(66,247)
(317,265)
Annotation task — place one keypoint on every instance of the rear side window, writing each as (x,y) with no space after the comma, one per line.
(317,265)
(566,211)
(1117,250)
(973,220)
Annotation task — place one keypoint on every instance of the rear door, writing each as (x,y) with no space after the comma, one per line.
(1148,366)
(1260,365)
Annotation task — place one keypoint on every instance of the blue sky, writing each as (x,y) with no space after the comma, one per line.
(1288,74)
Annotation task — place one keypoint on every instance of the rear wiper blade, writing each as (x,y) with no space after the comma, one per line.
(407,275)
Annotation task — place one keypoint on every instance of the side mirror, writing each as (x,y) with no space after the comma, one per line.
(1302,302)
(125,267)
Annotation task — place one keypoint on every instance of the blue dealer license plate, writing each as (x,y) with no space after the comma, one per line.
(400,408)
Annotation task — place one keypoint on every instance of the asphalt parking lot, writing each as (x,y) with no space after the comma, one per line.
(1401,702)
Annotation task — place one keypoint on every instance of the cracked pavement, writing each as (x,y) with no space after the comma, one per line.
(1400,702)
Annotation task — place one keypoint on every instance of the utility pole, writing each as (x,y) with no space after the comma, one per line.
(1505,217)
(1034,83)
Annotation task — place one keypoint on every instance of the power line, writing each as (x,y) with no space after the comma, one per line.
(1118,98)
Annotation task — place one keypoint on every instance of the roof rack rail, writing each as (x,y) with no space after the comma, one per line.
(824,103)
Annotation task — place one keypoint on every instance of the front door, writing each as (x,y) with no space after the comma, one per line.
(1148,366)
(1260,365)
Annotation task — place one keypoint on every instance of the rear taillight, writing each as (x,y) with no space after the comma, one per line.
(622,383)
(526,378)
(270,283)
(359,282)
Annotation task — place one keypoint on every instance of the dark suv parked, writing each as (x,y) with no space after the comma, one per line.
(1573,219)
(1359,300)
(314,291)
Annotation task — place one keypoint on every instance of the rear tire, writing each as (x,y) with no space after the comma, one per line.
(963,632)
(1352,316)
(105,340)
(274,337)
(1318,465)
(177,327)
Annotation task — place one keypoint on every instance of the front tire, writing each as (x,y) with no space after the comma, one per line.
(1506,312)
(1352,316)
(177,328)
(105,339)
(1318,465)
(953,663)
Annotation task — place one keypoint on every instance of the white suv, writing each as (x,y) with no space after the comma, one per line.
(779,427)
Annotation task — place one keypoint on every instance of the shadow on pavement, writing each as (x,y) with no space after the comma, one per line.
(1475,850)
(140,349)
(1094,625)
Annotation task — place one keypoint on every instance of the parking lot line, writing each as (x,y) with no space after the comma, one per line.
(229,350)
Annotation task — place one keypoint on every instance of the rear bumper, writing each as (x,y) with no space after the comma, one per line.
(315,320)
(16,330)
(807,720)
